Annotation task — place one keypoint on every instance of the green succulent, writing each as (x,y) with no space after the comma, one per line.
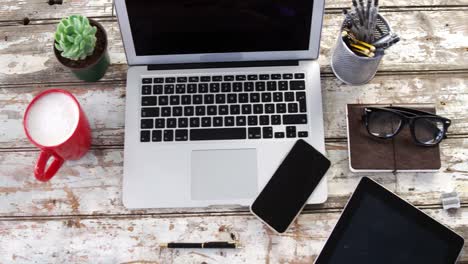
(75,37)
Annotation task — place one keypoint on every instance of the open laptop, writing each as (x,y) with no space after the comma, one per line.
(217,94)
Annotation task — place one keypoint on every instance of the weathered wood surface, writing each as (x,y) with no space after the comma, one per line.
(431,40)
(92,185)
(125,239)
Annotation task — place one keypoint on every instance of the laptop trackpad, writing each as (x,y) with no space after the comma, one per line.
(224,174)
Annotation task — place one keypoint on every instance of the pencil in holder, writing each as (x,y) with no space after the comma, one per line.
(352,68)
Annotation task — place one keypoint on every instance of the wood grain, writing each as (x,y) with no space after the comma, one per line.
(117,240)
(104,103)
(431,40)
(93,185)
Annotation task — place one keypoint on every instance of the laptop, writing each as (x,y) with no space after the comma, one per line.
(217,94)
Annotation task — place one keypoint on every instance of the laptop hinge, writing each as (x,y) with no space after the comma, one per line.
(233,64)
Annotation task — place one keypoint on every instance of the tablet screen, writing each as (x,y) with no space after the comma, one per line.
(379,227)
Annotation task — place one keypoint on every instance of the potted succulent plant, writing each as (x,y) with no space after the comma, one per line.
(81,45)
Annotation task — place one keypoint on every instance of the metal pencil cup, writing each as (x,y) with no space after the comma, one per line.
(354,69)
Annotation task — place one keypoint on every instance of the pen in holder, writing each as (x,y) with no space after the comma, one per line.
(352,68)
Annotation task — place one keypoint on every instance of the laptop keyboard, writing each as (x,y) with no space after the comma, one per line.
(229,107)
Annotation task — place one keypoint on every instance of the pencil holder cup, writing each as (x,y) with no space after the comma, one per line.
(354,69)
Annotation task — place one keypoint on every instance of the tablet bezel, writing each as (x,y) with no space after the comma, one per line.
(367,185)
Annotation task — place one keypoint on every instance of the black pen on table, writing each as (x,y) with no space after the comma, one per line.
(218,244)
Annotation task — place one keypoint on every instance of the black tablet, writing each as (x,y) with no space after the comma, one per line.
(377,226)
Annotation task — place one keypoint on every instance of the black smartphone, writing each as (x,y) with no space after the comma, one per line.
(288,190)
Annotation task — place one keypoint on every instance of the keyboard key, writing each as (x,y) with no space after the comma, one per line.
(303,134)
(297,85)
(148,100)
(283,85)
(226,87)
(217,121)
(269,108)
(156,135)
(192,88)
(271,86)
(212,110)
(170,79)
(223,110)
(267,132)
(147,123)
(287,76)
(197,99)
(259,86)
(166,111)
(145,135)
(246,109)
(160,123)
(301,98)
(149,112)
(168,135)
(206,121)
(248,87)
(252,120)
(205,78)
(276,76)
(194,122)
(254,133)
(180,88)
(241,77)
(266,97)
(146,80)
(294,119)
(290,131)
(229,78)
(258,109)
(232,98)
(158,80)
(264,120)
(217,134)
(200,110)
(281,108)
(193,79)
(252,77)
(289,96)
(181,135)
(146,89)
(277,97)
(254,97)
(279,135)
(237,87)
(299,76)
(182,79)
(168,89)
(240,121)
(229,121)
(182,122)
(220,98)
(188,111)
(171,123)
(186,99)
(202,87)
(157,89)
(276,120)
(214,87)
(243,98)
(217,78)
(208,99)
(175,99)
(177,111)
(292,108)
(234,109)
(264,77)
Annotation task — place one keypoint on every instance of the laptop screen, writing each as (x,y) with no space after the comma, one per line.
(162,27)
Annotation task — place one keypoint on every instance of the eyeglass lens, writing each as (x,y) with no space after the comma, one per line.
(383,124)
(428,130)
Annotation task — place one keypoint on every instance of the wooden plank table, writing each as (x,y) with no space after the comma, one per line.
(78,217)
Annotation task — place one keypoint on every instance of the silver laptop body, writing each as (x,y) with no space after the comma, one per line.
(169,162)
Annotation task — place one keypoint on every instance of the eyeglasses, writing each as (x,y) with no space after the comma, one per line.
(427,129)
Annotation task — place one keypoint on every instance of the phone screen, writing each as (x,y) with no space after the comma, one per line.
(290,187)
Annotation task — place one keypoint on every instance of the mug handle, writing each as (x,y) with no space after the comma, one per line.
(40,170)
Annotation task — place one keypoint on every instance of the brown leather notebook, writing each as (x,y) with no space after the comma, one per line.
(368,153)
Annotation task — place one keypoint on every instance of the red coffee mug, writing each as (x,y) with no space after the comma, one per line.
(72,148)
